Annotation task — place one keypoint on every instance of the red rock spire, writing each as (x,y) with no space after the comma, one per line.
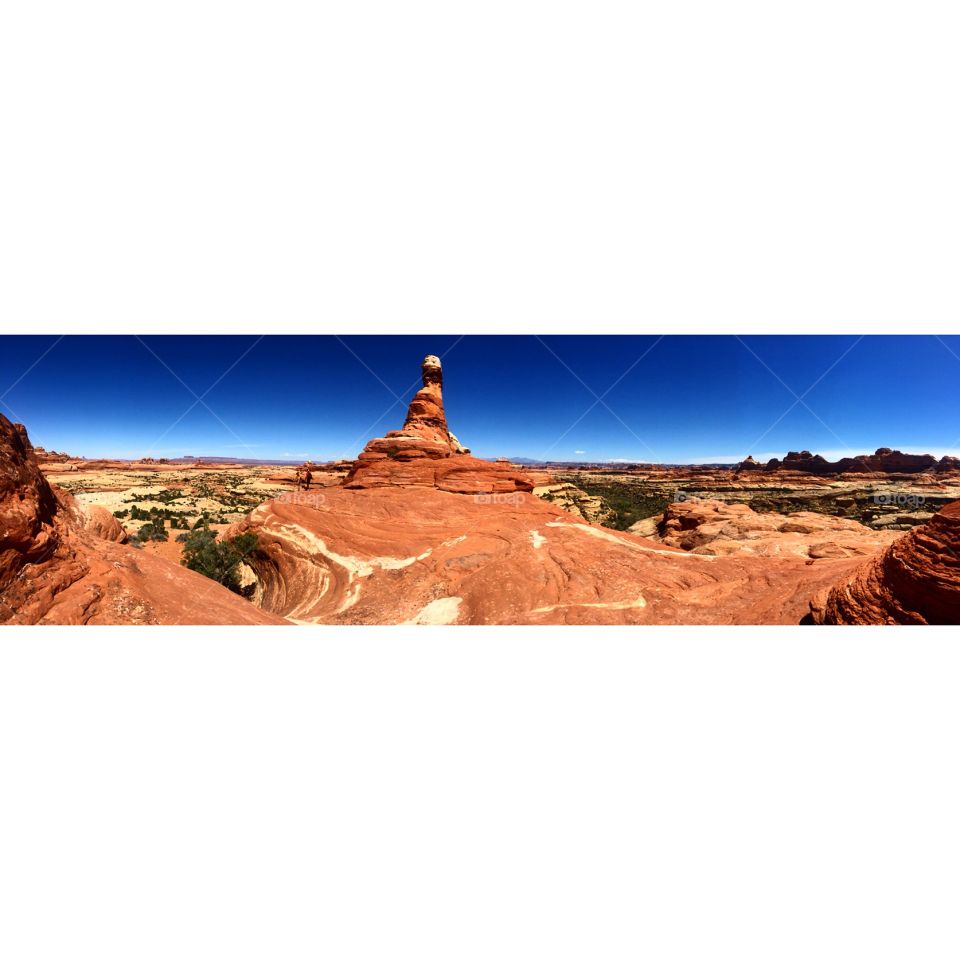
(425,432)
(426,453)
(425,416)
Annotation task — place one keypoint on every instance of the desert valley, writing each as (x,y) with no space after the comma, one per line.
(416,530)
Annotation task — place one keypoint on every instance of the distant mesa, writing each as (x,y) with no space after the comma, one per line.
(48,456)
(884,460)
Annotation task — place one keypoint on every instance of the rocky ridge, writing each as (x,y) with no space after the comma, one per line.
(884,460)
(719,528)
(915,580)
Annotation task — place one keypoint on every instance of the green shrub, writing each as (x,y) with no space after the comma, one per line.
(152,531)
(216,559)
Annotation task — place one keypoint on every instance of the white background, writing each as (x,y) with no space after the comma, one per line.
(498,167)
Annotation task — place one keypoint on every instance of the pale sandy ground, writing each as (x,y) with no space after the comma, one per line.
(223,492)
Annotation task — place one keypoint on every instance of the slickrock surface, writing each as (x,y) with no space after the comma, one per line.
(54,568)
(719,528)
(393,555)
(916,580)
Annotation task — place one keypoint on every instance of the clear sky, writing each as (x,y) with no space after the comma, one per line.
(676,399)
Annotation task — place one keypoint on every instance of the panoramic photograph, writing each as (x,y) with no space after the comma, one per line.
(484,480)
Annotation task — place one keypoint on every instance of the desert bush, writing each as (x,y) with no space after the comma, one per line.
(152,531)
(219,560)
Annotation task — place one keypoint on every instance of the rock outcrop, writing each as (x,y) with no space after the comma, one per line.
(916,580)
(425,432)
(28,506)
(57,568)
(102,523)
(424,453)
(721,528)
(571,498)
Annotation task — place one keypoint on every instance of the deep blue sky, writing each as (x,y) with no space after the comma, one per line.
(691,399)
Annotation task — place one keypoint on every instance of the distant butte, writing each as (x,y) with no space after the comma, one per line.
(884,460)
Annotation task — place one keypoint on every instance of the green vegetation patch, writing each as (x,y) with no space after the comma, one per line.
(219,560)
(629,502)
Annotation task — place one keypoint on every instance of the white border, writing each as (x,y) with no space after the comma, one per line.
(511,167)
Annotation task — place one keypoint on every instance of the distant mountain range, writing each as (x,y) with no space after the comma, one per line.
(245,460)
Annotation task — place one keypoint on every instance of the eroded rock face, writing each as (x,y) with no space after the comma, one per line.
(425,432)
(59,564)
(721,528)
(916,580)
(424,453)
(28,506)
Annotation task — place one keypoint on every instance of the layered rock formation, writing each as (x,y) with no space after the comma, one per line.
(916,580)
(49,456)
(56,568)
(424,453)
(28,506)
